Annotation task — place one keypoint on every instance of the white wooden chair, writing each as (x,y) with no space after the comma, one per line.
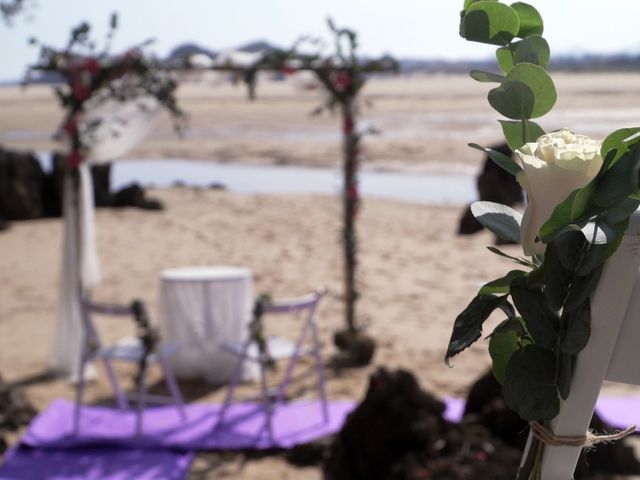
(278,348)
(611,354)
(128,349)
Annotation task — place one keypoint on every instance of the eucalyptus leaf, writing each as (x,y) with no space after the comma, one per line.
(567,212)
(569,246)
(501,347)
(531,22)
(619,181)
(504,56)
(468,3)
(565,374)
(533,49)
(488,77)
(530,387)
(521,261)
(535,279)
(593,258)
(599,232)
(512,131)
(502,220)
(501,285)
(556,278)
(500,159)
(490,22)
(577,329)
(618,141)
(526,92)
(513,324)
(541,321)
(622,211)
(468,325)
(582,288)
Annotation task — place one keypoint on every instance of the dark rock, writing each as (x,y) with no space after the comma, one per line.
(356,348)
(394,418)
(398,432)
(310,454)
(52,186)
(217,186)
(486,406)
(101,175)
(468,223)
(494,184)
(21,179)
(134,196)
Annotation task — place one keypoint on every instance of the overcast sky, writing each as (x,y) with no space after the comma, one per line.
(405,28)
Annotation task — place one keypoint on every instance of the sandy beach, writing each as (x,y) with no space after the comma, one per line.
(415,273)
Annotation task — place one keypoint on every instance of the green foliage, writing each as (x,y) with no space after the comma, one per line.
(502,220)
(526,92)
(512,131)
(468,326)
(577,324)
(505,58)
(489,22)
(488,77)
(534,354)
(501,285)
(499,159)
(568,212)
(468,3)
(534,49)
(543,323)
(617,141)
(619,181)
(557,278)
(530,20)
(530,387)
(501,347)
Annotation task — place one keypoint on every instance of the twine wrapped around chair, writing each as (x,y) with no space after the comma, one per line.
(588,440)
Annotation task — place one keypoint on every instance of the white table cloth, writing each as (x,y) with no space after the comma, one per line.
(202,307)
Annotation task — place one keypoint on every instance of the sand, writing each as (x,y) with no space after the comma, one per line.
(415,273)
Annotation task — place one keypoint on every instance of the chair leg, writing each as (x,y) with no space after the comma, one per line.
(79,392)
(142,400)
(282,390)
(232,386)
(320,372)
(172,385)
(265,400)
(121,398)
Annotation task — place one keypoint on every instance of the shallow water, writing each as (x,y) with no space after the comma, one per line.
(415,187)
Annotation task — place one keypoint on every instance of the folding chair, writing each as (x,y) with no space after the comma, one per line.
(278,348)
(128,349)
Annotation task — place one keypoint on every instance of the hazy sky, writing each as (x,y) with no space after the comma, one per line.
(405,28)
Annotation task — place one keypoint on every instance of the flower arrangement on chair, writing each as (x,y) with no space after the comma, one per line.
(581,193)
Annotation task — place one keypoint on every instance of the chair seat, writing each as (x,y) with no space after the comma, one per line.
(131,349)
(278,348)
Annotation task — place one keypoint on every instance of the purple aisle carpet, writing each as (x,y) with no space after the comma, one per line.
(95,463)
(621,412)
(244,426)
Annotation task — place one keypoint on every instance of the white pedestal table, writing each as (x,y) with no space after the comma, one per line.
(202,307)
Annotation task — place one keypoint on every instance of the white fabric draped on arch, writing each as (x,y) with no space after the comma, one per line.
(111,129)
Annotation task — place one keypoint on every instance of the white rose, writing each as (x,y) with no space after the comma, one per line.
(553,167)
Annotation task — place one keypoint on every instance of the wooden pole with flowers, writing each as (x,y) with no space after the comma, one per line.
(566,303)
(343,75)
(92,79)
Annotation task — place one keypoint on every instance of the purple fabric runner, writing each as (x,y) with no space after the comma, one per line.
(244,426)
(106,447)
(620,412)
(95,463)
